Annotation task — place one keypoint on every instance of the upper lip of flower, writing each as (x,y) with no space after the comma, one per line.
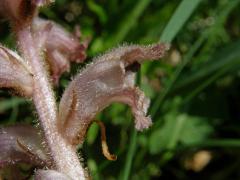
(15,72)
(59,46)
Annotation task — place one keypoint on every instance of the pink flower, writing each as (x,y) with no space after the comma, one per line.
(109,78)
(60,47)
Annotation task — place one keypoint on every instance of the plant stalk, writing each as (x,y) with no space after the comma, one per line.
(63,154)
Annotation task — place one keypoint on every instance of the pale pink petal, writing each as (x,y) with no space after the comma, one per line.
(21,143)
(60,46)
(50,175)
(41,35)
(15,72)
(110,78)
(58,63)
(61,40)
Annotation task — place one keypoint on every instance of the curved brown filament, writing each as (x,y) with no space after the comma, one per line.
(105,150)
(25,148)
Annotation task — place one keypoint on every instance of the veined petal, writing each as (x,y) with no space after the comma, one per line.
(50,175)
(21,143)
(60,46)
(110,78)
(15,72)
(58,63)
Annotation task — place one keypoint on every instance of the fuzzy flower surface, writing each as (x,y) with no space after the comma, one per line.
(45,51)
(109,78)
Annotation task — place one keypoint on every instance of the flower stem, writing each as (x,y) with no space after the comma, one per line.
(64,156)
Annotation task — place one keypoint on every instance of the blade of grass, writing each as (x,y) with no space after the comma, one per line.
(174,77)
(98,10)
(209,68)
(209,81)
(180,16)
(220,19)
(169,154)
(128,22)
(219,60)
(219,29)
(130,155)
(184,11)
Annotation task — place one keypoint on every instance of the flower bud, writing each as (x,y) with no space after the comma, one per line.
(60,47)
(15,72)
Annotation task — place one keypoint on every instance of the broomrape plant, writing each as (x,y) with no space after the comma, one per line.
(45,52)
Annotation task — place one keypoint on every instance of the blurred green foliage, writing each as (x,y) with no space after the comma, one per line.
(195,90)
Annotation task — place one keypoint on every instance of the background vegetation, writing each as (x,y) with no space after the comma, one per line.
(194,90)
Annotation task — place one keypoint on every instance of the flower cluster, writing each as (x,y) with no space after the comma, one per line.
(109,78)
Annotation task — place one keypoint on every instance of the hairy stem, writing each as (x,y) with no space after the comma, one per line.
(64,155)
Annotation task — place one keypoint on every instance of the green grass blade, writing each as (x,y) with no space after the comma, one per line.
(167,36)
(165,91)
(210,80)
(98,10)
(130,155)
(128,22)
(229,55)
(181,15)
(184,10)
(220,19)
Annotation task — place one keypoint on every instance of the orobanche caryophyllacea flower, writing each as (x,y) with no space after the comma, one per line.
(60,46)
(57,45)
(45,51)
(109,78)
